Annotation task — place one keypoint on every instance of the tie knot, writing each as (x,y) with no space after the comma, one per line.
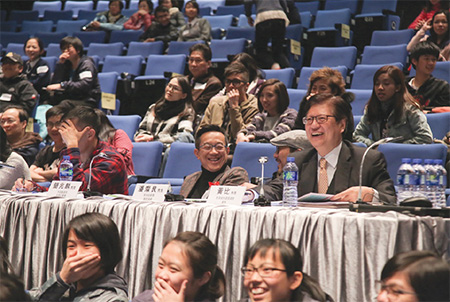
(323,163)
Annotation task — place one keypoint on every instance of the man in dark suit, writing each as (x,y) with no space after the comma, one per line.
(332,165)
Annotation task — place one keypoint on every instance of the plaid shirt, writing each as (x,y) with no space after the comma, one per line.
(109,175)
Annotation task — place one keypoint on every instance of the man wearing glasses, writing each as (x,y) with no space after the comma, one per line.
(332,165)
(212,151)
(236,109)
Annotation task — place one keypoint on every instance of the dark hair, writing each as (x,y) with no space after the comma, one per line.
(12,289)
(400,97)
(429,7)
(60,109)
(249,62)
(292,261)
(194,4)
(120,3)
(72,41)
(281,92)
(23,114)
(428,274)
(424,48)
(100,230)
(5,265)
(149,3)
(202,255)
(107,130)
(161,9)
(342,110)
(204,49)
(186,88)
(206,129)
(86,116)
(5,148)
(174,3)
(236,68)
(39,42)
(433,35)
(333,78)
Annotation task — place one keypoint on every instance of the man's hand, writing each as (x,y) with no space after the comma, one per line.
(241,137)
(54,87)
(250,21)
(143,138)
(78,267)
(70,135)
(22,184)
(164,292)
(233,98)
(150,40)
(248,185)
(351,195)
(64,56)
(95,24)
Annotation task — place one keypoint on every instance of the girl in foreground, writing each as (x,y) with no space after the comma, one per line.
(273,272)
(187,271)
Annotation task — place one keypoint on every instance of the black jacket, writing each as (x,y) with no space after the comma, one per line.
(39,75)
(433,93)
(17,91)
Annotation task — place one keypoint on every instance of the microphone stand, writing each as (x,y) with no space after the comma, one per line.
(88,192)
(379,142)
(261,200)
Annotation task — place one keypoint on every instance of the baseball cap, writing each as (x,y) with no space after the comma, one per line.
(16,58)
(295,139)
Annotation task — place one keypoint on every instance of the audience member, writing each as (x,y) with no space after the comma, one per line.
(204,84)
(75,75)
(439,34)
(234,111)
(426,89)
(18,167)
(270,24)
(427,13)
(187,271)
(196,28)
(171,118)
(142,19)
(418,276)
(111,19)
(212,151)
(15,89)
(14,122)
(272,271)
(333,165)
(176,17)
(274,117)
(161,29)
(392,112)
(117,138)
(79,130)
(37,69)
(91,248)
(47,161)
(12,289)
(321,81)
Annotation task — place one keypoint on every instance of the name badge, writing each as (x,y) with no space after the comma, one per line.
(42,69)
(65,189)
(150,192)
(108,101)
(6,97)
(85,75)
(226,195)
(200,86)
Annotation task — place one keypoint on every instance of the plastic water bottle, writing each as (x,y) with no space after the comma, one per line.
(419,178)
(405,174)
(431,182)
(290,180)
(66,169)
(442,182)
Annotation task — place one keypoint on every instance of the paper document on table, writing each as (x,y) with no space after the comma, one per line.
(315,200)
(315,197)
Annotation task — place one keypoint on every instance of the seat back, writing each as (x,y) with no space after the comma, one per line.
(385,54)
(181,47)
(103,49)
(128,123)
(442,71)
(181,161)
(295,97)
(16,48)
(102,5)
(334,56)
(294,32)
(224,21)
(213,4)
(108,84)
(439,124)
(158,64)
(88,37)
(90,14)
(243,21)
(51,61)
(119,64)
(75,6)
(391,37)
(10,37)
(8,26)
(56,15)
(363,75)
(69,26)
(311,6)
(147,158)
(145,49)
(377,6)
(306,18)
(23,15)
(285,75)
(53,50)
(339,4)
(222,48)
(33,27)
(247,33)
(362,96)
(356,120)
(42,6)
(50,37)
(328,18)
(306,72)
(394,152)
(125,36)
(234,10)
(246,155)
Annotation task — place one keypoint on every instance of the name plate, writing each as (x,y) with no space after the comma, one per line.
(345,32)
(65,189)
(150,192)
(108,101)
(226,195)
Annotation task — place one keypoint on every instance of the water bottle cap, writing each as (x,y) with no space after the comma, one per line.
(437,161)
(66,157)
(406,160)
(428,161)
(290,159)
(417,161)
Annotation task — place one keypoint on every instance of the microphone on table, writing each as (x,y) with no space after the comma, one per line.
(378,142)
(261,200)
(88,192)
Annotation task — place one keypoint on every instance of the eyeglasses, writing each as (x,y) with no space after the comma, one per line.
(195,60)
(51,125)
(235,82)
(320,119)
(263,271)
(173,87)
(392,289)
(9,121)
(208,147)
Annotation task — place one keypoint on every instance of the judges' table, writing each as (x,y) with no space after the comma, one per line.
(344,251)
